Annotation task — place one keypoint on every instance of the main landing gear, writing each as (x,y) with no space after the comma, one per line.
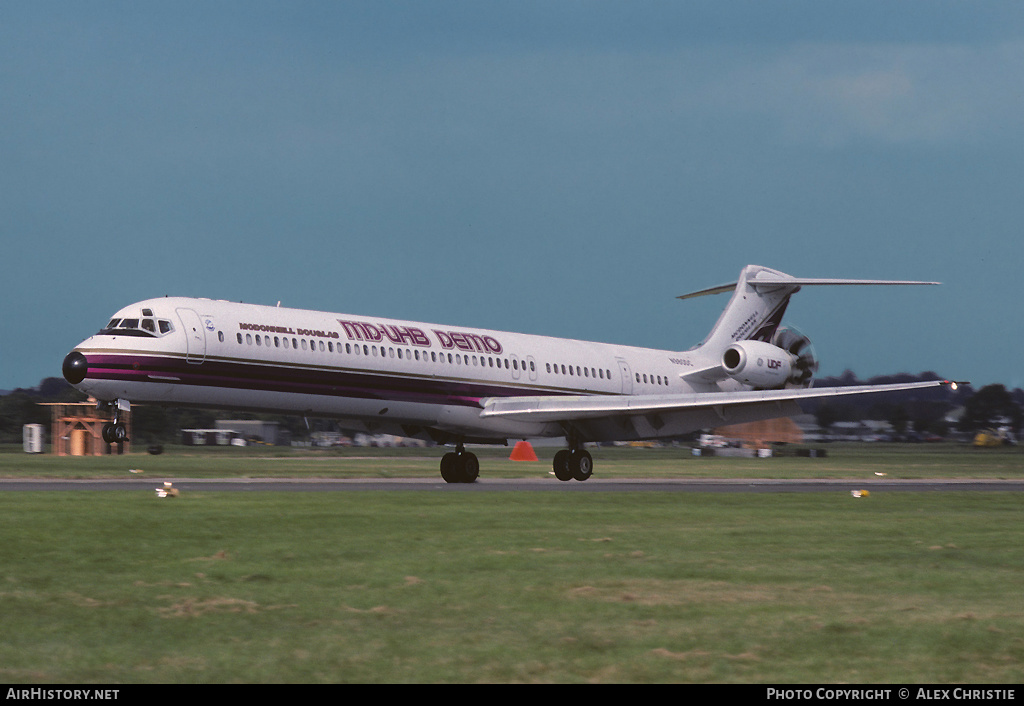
(115,432)
(461,466)
(574,463)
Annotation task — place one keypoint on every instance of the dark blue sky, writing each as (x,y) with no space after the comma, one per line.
(561,168)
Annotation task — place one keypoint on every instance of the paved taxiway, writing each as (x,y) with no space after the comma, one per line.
(518,484)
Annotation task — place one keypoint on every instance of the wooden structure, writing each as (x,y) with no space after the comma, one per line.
(762,434)
(78,430)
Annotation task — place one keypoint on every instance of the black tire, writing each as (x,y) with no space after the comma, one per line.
(448,468)
(581,464)
(561,465)
(468,467)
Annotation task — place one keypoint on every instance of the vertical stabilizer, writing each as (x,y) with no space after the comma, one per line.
(755,310)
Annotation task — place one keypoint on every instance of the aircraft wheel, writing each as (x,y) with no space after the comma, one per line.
(460,467)
(114,433)
(581,464)
(561,464)
(448,468)
(469,467)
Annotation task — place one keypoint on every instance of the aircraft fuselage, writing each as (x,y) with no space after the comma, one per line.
(403,377)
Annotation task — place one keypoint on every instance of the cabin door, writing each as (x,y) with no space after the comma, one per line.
(627,377)
(195,336)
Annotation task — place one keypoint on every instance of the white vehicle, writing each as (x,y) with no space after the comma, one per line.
(458,385)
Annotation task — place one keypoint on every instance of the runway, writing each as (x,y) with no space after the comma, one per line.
(594,485)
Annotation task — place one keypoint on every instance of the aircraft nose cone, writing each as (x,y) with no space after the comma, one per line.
(75,368)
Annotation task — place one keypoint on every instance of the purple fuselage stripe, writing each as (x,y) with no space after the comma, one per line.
(270,378)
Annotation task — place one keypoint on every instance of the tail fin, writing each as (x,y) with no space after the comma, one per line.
(760,297)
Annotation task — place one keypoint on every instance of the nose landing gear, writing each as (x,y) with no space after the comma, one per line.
(116,432)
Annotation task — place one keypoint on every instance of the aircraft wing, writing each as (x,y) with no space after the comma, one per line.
(550,408)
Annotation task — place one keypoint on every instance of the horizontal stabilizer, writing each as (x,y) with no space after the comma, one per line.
(765,280)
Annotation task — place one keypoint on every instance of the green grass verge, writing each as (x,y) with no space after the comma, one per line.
(123,587)
(910,461)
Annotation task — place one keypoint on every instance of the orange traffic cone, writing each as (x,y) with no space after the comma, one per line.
(523,452)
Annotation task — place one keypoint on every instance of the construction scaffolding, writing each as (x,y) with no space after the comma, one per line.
(762,434)
(78,430)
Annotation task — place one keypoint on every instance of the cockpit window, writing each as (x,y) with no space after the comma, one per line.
(146,327)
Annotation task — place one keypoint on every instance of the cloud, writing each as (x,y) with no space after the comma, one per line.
(835,95)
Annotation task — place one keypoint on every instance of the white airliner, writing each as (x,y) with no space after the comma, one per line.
(458,385)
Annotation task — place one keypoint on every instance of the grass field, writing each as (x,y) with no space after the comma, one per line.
(912,461)
(124,587)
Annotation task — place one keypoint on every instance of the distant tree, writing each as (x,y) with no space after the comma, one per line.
(991,406)
(898,419)
(828,413)
(17,409)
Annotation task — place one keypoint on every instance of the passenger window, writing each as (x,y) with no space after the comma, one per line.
(220,336)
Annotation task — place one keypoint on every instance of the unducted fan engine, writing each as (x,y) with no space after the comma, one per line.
(788,360)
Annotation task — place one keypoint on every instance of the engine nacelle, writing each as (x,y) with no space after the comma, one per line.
(759,364)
